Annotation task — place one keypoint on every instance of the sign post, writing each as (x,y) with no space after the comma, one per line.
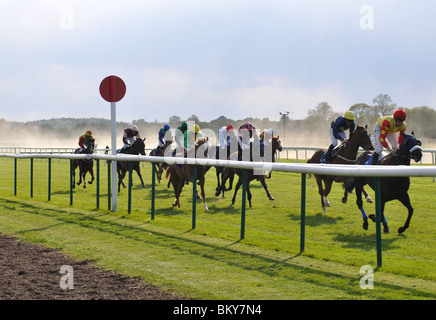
(113,89)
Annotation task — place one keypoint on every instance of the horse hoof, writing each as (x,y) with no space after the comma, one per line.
(401,230)
(84,187)
(365,224)
(271,198)
(368,199)
(372,217)
(386,229)
(323,210)
(344,200)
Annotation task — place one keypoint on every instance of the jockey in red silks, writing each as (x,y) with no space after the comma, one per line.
(386,128)
(84,140)
(129,137)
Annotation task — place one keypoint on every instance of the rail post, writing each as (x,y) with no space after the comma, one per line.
(97,191)
(303,212)
(194,195)
(71,182)
(244,195)
(129,201)
(31,177)
(153,187)
(49,180)
(15,176)
(378,221)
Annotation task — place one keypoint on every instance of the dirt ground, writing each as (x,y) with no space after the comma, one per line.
(32,272)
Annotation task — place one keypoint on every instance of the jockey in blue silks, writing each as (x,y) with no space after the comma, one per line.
(337,132)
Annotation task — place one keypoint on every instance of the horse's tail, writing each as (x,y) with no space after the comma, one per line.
(168,173)
(348,184)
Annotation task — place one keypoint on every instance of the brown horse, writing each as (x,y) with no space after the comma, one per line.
(160,152)
(138,147)
(344,154)
(178,175)
(84,165)
(275,146)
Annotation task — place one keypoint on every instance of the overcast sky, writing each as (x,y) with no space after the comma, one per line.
(236,58)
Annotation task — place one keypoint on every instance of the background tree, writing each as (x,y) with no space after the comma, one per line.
(383,105)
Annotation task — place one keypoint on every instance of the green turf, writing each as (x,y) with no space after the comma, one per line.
(211,261)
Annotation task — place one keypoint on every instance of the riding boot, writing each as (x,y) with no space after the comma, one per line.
(374,158)
(328,155)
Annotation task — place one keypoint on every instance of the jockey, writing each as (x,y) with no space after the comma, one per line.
(267,135)
(222,134)
(386,128)
(247,135)
(190,136)
(164,135)
(337,132)
(180,131)
(84,141)
(129,137)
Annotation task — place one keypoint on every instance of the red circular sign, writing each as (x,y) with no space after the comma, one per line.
(112,89)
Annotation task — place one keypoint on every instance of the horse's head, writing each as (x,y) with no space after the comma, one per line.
(276,144)
(362,138)
(139,146)
(411,147)
(90,147)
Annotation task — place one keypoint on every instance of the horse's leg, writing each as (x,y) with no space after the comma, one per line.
(262,181)
(138,171)
(84,181)
(367,197)
(249,194)
(121,175)
(382,216)
(405,200)
(359,203)
(236,189)
(91,172)
(203,195)
(321,192)
(231,178)
(224,177)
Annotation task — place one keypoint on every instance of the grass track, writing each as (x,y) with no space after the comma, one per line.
(211,262)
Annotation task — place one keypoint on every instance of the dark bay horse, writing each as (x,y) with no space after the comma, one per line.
(275,146)
(160,152)
(84,165)
(178,175)
(391,188)
(344,154)
(137,148)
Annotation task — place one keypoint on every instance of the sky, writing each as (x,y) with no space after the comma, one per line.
(212,58)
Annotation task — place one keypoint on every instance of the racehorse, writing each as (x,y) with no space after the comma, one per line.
(344,154)
(85,165)
(160,152)
(391,188)
(178,175)
(138,147)
(275,146)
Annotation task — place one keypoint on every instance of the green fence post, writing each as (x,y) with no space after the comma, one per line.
(129,201)
(378,221)
(194,195)
(97,162)
(31,177)
(153,186)
(71,182)
(303,213)
(244,195)
(49,179)
(109,184)
(15,176)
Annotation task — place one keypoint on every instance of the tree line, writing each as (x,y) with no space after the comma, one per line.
(314,125)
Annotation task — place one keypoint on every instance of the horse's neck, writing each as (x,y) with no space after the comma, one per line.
(349,150)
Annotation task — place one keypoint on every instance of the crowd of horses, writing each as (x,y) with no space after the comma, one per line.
(392,188)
